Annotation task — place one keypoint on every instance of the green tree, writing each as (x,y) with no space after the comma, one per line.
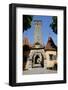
(53,24)
(27,19)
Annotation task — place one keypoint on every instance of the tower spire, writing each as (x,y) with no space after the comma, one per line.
(37,31)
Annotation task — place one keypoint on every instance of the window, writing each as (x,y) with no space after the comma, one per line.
(52,57)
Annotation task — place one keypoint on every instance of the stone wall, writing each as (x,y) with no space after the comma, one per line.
(30,58)
(50,63)
(46,61)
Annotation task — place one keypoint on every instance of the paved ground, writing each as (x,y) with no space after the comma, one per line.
(38,71)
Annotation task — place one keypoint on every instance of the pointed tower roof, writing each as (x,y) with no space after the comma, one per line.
(50,45)
(26,42)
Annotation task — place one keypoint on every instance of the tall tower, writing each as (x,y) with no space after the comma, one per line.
(37,32)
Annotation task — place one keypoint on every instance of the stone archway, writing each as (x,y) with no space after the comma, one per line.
(37,60)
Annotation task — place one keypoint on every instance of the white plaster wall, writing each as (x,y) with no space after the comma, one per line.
(50,63)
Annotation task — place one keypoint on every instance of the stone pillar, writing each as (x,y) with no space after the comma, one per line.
(45,64)
(29,64)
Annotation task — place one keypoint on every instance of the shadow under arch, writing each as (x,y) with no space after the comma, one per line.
(35,57)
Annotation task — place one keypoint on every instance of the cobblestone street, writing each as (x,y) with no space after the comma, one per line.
(38,71)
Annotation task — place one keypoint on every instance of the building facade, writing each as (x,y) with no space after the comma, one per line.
(38,55)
